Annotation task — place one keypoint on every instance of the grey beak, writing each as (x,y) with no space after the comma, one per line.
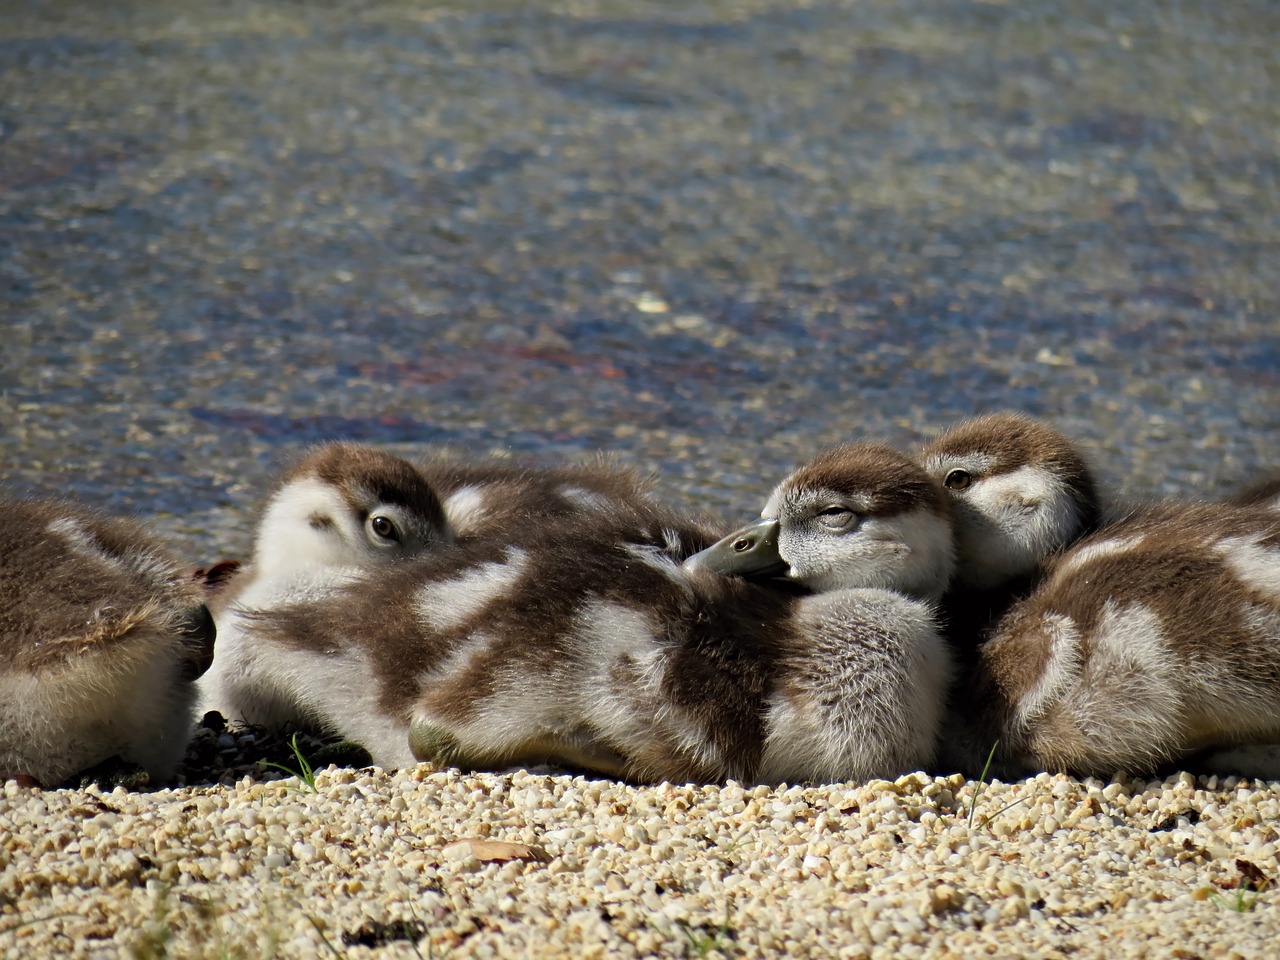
(750,552)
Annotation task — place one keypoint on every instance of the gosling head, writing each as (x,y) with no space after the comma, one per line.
(348,505)
(1021,491)
(860,515)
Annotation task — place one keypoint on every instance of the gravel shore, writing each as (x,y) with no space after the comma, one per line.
(423,862)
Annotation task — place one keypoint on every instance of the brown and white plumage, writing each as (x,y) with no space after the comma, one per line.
(102,635)
(474,629)
(340,512)
(342,507)
(346,510)
(1149,640)
(1021,491)
(869,533)
(589,641)
(491,497)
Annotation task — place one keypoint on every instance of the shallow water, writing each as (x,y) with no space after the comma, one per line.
(709,238)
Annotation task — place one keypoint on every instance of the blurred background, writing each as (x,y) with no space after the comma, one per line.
(709,237)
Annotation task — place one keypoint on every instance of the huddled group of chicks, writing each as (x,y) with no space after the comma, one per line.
(973,604)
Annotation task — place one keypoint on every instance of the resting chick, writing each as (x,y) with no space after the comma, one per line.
(102,636)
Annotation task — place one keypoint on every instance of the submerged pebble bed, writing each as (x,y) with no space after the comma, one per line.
(437,863)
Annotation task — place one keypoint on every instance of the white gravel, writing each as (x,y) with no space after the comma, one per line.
(254,869)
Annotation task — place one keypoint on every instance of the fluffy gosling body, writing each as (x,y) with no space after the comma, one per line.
(1153,637)
(869,534)
(492,497)
(591,642)
(1148,641)
(487,643)
(346,510)
(102,635)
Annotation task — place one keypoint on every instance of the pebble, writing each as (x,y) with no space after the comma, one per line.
(879,870)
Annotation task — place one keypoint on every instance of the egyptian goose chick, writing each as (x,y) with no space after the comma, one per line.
(869,534)
(1021,491)
(348,508)
(341,511)
(1153,638)
(342,507)
(1104,665)
(727,679)
(490,497)
(588,641)
(355,662)
(860,515)
(102,635)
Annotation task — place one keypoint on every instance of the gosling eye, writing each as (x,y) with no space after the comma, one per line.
(958,479)
(837,517)
(384,528)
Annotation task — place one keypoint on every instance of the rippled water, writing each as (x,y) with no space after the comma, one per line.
(709,239)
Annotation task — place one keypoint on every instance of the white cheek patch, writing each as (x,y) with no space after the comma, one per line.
(909,552)
(1033,504)
(1081,557)
(1028,514)
(1254,565)
(816,568)
(466,509)
(451,604)
(288,540)
(924,564)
